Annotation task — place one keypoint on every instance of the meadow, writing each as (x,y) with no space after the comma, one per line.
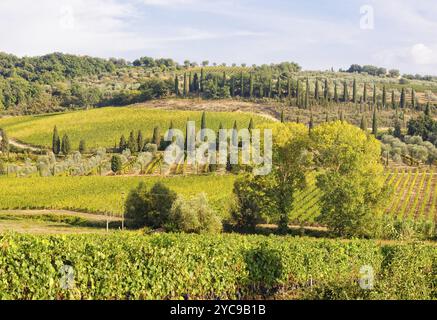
(103,127)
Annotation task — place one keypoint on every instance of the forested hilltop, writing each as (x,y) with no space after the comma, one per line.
(60,82)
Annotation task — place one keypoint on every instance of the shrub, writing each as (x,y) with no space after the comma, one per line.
(149,207)
(194,216)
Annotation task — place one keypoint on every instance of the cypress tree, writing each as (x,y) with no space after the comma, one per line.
(336,98)
(170,131)
(316,90)
(140,141)
(4,146)
(326,90)
(235,134)
(374,94)
(261,90)
(288,87)
(307,94)
(354,92)
(297,119)
(123,144)
(176,86)
(185,84)
(397,129)
(270,87)
(374,123)
(156,138)
(131,143)
(66,147)
(326,117)
(363,124)
(202,80)
(402,100)
(251,86)
(345,92)
(196,83)
(203,121)
(282,116)
(428,110)
(393,103)
(233,87)
(341,116)
(242,84)
(224,79)
(384,97)
(365,92)
(413,99)
(298,93)
(190,83)
(56,141)
(278,87)
(311,123)
(82,146)
(251,125)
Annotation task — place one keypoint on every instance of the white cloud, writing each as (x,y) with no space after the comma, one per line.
(423,55)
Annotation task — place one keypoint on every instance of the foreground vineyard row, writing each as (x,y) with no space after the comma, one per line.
(415,193)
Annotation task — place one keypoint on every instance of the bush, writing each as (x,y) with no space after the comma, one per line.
(194,216)
(149,208)
(116,163)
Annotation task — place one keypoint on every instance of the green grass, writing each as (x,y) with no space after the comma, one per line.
(103,127)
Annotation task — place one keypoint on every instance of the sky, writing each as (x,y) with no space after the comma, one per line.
(317,34)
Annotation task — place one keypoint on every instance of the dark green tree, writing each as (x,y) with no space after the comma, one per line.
(116,163)
(156,138)
(384,97)
(363,124)
(140,141)
(326,90)
(345,92)
(374,123)
(354,91)
(66,147)
(56,141)
(82,146)
(365,92)
(122,144)
(176,85)
(131,143)
(402,99)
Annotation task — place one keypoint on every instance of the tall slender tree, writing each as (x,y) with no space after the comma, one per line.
(202,80)
(365,93)
(354,91)
(66,147)
(242,84)
(185,84)
(140,141)
(56,141)
(307,94)
(336,98)
(345,92)
(384,97)
(374,94)
(413,99)
(374,122)
(402,99)
(251,86)
(393,102)
(363,124)
(316,90)
(176,85)
(326,90)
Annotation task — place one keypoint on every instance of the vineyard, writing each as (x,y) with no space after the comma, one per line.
(414,193)
(173,266)
(103,127)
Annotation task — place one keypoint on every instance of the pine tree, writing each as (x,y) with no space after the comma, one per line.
(66,147)
(140,141)
(402,100)
(131,143)
(354,92)
(156,138)
(374,123)
(123,144)
(363,124)
(56,141)
(82,146)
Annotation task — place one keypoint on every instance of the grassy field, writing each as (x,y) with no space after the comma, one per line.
(415,193)
(103,127)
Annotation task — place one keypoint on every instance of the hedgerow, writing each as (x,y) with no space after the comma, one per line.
(173,266)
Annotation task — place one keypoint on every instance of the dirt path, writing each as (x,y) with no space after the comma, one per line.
(20,145)
(88,216)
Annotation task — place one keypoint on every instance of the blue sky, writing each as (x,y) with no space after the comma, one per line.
(317,34)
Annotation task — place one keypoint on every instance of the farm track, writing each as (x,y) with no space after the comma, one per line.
(67,213)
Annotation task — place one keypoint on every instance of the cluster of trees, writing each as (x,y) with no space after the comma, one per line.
(424,126)
(409,147)
(138,143)
(351,182)
(373,70)
(160,207)
(63,145)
